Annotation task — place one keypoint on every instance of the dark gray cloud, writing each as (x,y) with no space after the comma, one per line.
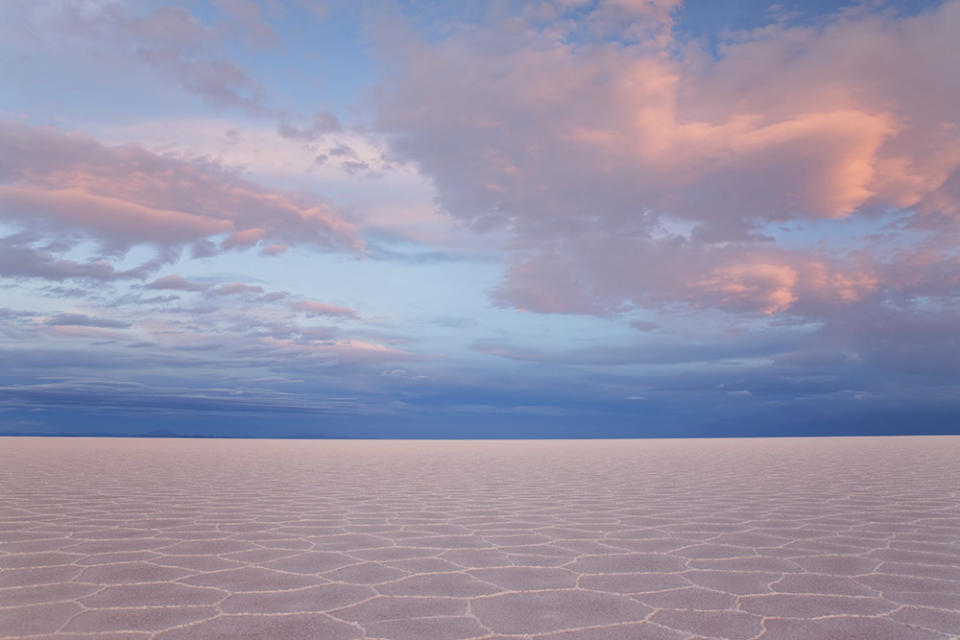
(113,395)
(81,320)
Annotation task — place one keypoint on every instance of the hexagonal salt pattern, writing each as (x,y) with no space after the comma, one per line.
(852,538)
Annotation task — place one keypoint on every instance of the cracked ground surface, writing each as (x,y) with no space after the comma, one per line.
(806,539)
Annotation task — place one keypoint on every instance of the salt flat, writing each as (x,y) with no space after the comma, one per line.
(852,538)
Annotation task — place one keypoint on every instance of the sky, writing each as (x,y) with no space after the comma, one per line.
(414,218)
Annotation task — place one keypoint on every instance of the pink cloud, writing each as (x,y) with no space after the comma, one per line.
(344,351)
(176,282)
(273,250)
(754,284)
(589,154)
(245,238)
(314,308)
(126,195)
(603,275)
(763,286)
(112,216)
(573,134)
(237,288)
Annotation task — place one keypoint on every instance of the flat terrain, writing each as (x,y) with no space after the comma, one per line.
(813,539)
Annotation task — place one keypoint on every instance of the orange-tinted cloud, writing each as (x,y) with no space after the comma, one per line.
(588,146)
(762,286)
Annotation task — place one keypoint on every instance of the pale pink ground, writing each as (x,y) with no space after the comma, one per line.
(853,538)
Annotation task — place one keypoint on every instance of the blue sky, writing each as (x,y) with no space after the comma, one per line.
(560,218)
